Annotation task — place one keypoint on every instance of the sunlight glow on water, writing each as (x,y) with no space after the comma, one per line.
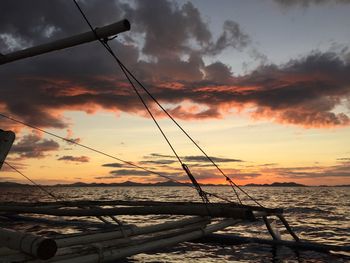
(320,214)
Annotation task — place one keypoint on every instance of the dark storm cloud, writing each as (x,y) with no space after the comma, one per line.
(167,33)
(79,159)
(34,22)
(85,78)
(33,146)
(232,36)
(304,91)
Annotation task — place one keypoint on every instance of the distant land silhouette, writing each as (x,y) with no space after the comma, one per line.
(166,183)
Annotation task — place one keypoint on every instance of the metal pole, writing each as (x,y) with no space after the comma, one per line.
(82,38)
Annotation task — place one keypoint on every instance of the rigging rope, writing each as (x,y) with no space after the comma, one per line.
(127,72)
(105,154)
(34,183)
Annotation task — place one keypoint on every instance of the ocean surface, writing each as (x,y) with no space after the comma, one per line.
(319,214)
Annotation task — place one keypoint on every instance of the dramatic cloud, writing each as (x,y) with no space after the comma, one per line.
(166,51)
(33,146)
(79,159)
(304,92)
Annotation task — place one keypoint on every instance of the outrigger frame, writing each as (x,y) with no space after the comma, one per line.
(113,240)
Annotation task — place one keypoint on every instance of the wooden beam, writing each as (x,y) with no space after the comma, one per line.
(102,32)
(239,213)
(82,203)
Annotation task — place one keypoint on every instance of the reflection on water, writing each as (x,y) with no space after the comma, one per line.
(320,214)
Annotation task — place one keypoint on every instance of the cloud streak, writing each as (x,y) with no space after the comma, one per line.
(77,159)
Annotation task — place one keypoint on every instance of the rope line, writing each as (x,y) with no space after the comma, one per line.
(188,136)
(107,155)
(126,70)
(34,183)
(82,145)
(128,74)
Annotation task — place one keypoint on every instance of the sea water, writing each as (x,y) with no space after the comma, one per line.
(319,214)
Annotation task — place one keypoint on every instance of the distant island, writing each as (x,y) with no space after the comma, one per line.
(166,183)
(287,184)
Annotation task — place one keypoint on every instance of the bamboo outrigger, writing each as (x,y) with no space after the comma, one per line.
(111,239)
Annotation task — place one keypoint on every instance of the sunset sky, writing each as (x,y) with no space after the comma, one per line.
(263,86)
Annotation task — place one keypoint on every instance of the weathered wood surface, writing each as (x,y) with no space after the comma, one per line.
(102,32)
(239,213)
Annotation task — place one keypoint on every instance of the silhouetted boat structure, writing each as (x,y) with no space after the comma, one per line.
(111,239)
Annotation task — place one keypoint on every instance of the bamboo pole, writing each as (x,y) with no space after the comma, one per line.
(82,223)
(42,248)
(118,253)
(80,203)
(304,245)
(92,238)
(89,36)
(287,226)
(239,213)
(269,228)
(67,253)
